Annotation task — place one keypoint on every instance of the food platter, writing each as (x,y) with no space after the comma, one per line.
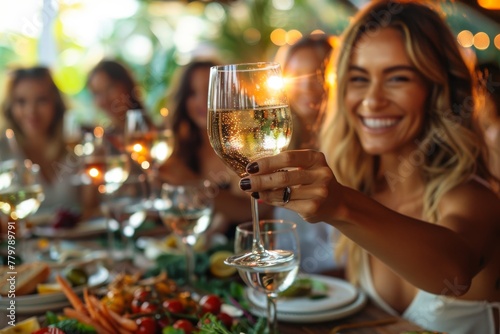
(39,303)
(313,317)
(341,300)
(338,293)
(83,229)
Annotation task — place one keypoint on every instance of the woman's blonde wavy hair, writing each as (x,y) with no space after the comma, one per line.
(449,150)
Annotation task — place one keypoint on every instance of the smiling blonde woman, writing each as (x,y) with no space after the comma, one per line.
(402,175)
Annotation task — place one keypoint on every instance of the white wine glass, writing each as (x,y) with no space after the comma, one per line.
(21,192)
(188,211)
(150,146)
(275,235)
(249,118)
(104,165)
(125,210)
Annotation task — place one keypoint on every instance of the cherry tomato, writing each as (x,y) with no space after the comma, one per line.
(148,307)
(226,319)
(173,305)
(184,324)
(210,304)
(142,295)
(135,306)
(147,325)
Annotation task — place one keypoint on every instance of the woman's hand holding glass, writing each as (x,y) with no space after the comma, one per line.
(249,118)
(316,194)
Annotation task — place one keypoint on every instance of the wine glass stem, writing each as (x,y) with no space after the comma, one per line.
(257,246)
(189,242)
(129,247)
(153,176)
(272,322)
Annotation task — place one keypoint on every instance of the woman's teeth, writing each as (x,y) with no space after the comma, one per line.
(379,123)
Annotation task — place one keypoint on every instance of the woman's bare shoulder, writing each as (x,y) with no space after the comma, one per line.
(471,198)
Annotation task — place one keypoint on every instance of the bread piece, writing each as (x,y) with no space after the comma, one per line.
(27,276)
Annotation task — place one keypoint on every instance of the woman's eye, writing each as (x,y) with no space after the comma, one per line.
(20,102)
(399,78)
(358,79)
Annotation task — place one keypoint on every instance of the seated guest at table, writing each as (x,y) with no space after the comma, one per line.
(489,117)
(305,66)
(114,91)
(193,156)
(402,175)
(34,109)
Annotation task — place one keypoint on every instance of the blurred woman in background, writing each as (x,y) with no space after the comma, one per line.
(305,66)
(307,76)
(114,91)
(34,109)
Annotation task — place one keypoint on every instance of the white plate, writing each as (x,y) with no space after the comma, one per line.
(98,275)
(307,317)
(339,293)
(83,229)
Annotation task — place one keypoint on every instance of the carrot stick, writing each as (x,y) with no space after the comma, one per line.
(73,298)
(128,324)
(83,318)
(93,308)
(90,307)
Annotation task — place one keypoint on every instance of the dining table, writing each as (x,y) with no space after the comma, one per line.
(368,319)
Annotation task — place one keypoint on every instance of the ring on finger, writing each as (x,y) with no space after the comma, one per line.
(287,194)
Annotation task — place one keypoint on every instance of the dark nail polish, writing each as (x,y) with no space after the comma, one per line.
(255,195)
(253,168)
(245,184)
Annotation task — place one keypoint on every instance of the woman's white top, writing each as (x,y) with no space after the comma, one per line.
(437,312)
(316,242)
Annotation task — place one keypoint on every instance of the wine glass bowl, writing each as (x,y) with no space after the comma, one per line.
(21,191)
(270,279)
(104,165)
(249,118)
(187,211)
(150,146)
(248,113)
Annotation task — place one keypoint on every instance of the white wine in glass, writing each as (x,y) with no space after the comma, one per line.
(249,118)
(21,192)
(188,213)
(276,235)
(150,146)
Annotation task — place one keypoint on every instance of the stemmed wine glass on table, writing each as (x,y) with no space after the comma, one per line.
(276,235)
(150,146)
(107,167)
(21,192)
(249,118)
(125,209)
(187,211)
